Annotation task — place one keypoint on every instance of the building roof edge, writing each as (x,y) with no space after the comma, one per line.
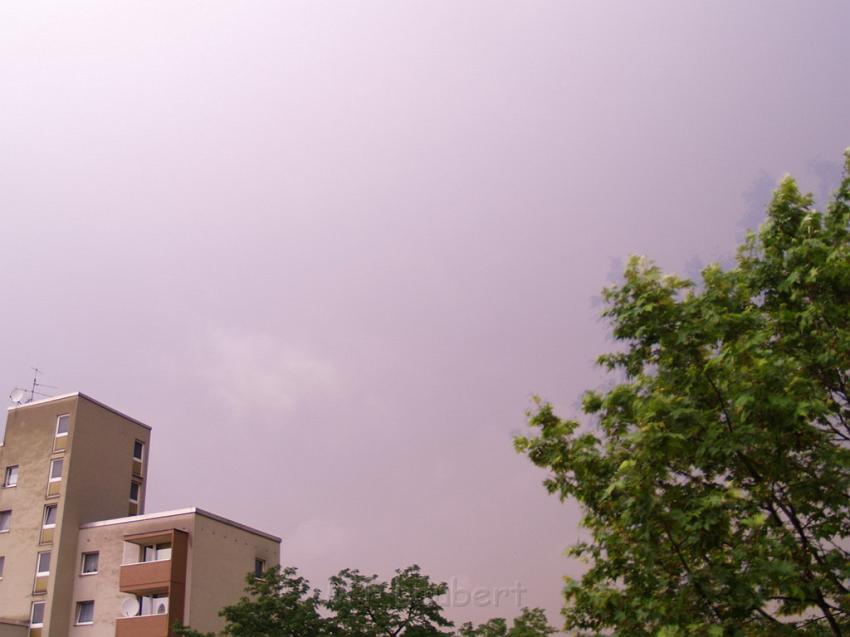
(176,512)
(80,394)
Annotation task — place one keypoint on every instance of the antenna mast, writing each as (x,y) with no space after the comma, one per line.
(35,372)
(17,396)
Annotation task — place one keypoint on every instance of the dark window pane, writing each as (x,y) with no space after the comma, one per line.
(11,476)
(90,562)
(44,562)
(37,613)
(85,612)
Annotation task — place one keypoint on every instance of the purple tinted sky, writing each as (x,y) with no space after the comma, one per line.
(329,250)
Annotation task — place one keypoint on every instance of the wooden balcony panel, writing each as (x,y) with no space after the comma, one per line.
(146,577)
(144,626)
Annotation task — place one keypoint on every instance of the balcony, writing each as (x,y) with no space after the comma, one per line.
(145,577)
(154,569)
(143,626)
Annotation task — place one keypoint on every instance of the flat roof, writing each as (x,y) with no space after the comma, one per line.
(175,513)
(80,395)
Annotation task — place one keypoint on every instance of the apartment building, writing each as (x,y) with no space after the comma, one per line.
(78,554)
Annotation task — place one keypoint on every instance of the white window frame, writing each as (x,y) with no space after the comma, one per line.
(32,613)
(60,434)
(83,570)
(9,517)
(38,571)
(141,442)
(44,523)
(53,461)
(138,491)
(156,550)
(80,606)
(8,472)
(2,565)
(262,564)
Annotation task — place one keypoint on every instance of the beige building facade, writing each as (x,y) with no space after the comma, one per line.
(79,556)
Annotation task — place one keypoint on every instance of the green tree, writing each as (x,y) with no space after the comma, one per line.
(714,476)
(278,604)
(407,606)
(531,622)
(496,627)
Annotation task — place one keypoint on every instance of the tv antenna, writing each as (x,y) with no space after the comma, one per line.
(19,395)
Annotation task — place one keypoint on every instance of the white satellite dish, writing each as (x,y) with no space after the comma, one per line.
(130,607)
(17,395)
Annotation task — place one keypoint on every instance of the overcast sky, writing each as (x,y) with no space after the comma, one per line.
(329,250)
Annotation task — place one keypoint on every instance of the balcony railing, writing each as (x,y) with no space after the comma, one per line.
(165,577)
(145,577)
(142,626)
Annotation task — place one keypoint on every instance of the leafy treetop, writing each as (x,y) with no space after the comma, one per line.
(407,606)
(715,479)
(282,604)
(531,622)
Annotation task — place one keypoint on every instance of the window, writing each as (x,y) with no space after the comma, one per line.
(62,425)
(154,604)
(5,521)
(156,552)
(2,565)
(48,523)
(42,567)
(90,563)
(56,467)
(37,615)
(259,568)
(11,479)
(50,516)
(138,459)
(135,491)
(85,613)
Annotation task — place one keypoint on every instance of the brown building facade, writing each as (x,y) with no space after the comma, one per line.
(78,555)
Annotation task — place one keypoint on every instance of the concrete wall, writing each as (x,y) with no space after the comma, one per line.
(12,630)
(30,433)
(108,540)
(98,488)
(95,485)
(221,556)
